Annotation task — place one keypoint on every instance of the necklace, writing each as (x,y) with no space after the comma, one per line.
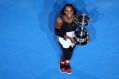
(68,20)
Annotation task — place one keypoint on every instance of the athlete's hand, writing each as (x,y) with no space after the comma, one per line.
(88,38)
(72,40)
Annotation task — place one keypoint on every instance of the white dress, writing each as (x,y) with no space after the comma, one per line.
(67,43)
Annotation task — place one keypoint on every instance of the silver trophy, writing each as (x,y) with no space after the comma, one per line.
(81,33)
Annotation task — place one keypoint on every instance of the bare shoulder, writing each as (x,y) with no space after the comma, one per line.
(59,19)
(59,23)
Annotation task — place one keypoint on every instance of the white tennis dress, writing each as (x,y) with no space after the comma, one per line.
(67,43)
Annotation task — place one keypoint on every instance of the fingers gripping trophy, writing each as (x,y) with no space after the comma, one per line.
(82,36)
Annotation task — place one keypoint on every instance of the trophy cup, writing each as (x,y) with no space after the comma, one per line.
(81,32)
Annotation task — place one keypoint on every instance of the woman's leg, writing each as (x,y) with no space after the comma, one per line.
(66,57)
(67,53)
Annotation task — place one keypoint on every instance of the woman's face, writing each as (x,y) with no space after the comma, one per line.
(69,12)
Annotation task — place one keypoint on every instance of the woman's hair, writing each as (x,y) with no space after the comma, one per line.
(68,4)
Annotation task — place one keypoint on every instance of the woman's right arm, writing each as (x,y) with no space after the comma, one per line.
(58,28)
(61,32)
(71,39)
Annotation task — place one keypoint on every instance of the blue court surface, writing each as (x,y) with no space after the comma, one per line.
(28,46)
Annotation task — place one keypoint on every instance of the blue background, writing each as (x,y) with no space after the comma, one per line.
(29,50)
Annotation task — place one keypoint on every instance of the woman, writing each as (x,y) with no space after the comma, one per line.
(65,31)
